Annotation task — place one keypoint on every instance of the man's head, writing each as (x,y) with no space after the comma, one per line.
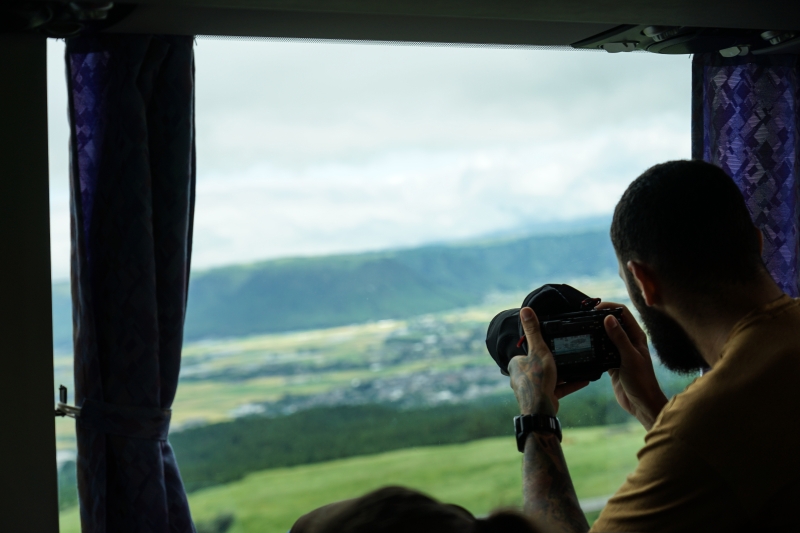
(402,510)
(683,228)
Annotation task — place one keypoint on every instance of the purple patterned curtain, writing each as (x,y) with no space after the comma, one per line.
(132,176)
(745,113)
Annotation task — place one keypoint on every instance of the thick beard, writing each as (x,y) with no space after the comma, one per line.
(673,346)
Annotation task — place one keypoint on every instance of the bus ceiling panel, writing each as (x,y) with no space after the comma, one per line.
(747,14)
(692,40)
(352,27)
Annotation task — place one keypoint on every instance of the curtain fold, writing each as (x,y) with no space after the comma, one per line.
(745,114)
(131,107)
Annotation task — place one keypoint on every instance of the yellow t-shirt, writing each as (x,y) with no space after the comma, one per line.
(724,455)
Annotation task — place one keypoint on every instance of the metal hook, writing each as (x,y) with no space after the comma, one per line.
(62,409)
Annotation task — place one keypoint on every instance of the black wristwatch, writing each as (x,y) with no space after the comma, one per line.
(525,424)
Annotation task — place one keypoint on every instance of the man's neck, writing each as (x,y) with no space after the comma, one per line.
(710,325)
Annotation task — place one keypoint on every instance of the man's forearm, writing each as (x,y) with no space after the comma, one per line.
(547,488)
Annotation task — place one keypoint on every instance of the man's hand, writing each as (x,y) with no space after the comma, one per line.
(546,486)
(635,384)
(533,377)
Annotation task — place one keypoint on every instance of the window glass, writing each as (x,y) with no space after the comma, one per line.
(363,211)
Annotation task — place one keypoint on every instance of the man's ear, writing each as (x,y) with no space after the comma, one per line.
(647,282)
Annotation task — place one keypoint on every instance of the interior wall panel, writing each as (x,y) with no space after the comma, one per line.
(28,477)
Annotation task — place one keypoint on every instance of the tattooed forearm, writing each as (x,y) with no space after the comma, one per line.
(526,381)
(547,488)
(549,495)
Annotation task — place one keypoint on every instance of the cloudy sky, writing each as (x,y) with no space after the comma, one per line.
(308,149)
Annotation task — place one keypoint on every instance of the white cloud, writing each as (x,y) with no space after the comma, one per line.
(321,148)
(412,197)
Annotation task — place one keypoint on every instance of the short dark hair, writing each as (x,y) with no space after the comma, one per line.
(401,510)
(688,220)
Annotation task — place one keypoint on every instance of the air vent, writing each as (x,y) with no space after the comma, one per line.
(690,40)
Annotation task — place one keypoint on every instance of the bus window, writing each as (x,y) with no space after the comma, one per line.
(362,212)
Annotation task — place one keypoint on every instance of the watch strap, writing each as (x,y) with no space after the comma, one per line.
(526,424)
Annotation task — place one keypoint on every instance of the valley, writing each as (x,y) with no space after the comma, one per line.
(386,352)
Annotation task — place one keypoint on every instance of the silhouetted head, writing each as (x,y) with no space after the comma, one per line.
(688,220)
(402,510)
(685,223)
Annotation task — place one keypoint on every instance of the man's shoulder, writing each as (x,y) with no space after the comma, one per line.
(759,365)
(776,326)
(758,379)
(740,417)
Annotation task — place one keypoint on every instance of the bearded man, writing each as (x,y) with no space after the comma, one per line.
(723,454)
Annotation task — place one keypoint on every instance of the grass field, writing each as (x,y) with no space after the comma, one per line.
(479,475)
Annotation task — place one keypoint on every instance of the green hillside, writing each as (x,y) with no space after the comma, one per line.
(320,292)
(479,475)
(220,453)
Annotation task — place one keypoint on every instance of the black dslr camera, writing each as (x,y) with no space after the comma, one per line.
(571,327)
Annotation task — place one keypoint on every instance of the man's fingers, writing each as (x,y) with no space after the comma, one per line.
(635,332)
(533,334)
(568,388)
(629,354)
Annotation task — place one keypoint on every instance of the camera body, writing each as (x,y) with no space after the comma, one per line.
(571,327)
(580,345)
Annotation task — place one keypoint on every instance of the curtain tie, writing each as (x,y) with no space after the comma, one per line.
(125,420)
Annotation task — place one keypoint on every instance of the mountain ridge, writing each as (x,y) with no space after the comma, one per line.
(290,294)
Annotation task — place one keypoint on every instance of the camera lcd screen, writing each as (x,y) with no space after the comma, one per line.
(575,346)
